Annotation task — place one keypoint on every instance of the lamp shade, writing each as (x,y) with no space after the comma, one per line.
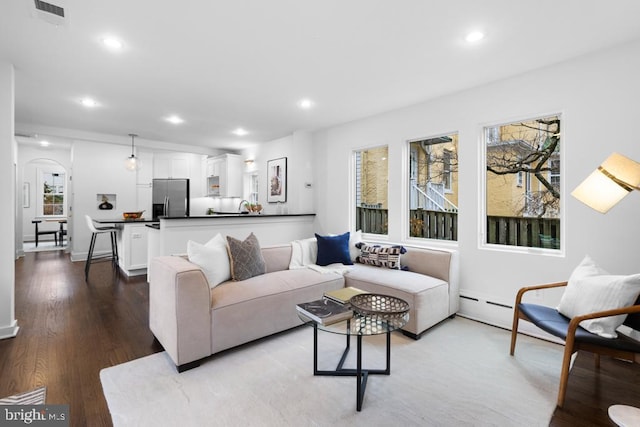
(611,182)
(132,163)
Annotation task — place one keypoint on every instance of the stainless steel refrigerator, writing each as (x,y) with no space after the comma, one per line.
(170,197)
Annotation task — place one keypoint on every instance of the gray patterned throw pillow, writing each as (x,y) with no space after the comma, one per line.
(381,256)
(245,257)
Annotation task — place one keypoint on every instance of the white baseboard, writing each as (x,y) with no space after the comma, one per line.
(10,330)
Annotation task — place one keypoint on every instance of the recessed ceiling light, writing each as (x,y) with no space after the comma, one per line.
(474,36)
(175,120)
(240,132)
(88,102)
(112,43)
(44,143)
(305,104)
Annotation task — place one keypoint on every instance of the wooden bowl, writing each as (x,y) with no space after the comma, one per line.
(132,215)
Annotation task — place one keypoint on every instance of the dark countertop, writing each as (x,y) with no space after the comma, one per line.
(122,220)
(235,215)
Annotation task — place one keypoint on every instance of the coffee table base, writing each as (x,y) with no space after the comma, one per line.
(360,374)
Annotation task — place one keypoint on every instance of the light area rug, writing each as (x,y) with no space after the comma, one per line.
(459,374)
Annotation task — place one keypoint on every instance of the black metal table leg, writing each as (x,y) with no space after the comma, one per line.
(361,375)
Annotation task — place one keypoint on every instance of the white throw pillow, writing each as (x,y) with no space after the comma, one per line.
(592,289)
(212,258)
(355,237)
(303,253)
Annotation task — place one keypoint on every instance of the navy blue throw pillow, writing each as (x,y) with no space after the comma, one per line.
(333,249)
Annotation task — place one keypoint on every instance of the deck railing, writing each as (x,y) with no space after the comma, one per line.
(510,231)
(530,232)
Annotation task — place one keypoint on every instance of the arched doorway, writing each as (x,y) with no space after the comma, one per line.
(45,205)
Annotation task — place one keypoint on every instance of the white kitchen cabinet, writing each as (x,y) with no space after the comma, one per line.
(181,165)
(133,248)
(174,165)
(224,176)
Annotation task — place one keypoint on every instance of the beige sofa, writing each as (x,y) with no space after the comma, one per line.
(192,321)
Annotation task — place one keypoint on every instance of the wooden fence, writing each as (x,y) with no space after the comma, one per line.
(423,223)
(511,231)
(530,232)
(428,224)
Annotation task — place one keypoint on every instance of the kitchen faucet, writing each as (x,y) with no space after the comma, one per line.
(240,205)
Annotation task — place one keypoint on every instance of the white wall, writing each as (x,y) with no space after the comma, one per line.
(8,160)
(98,168)
(297,148)
(597,95)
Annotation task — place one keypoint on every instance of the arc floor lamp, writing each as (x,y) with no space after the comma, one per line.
(616,177)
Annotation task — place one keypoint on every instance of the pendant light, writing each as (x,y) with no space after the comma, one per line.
(132,163)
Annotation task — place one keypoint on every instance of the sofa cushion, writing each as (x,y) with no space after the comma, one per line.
(212,258)
(405,281)
(333,249)
(381,256)
(246,257)
(592,289)
(277,282)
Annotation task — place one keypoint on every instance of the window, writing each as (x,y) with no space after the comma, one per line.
(253,188)
(433,187)
(523,213)
(52,193)
(371,195)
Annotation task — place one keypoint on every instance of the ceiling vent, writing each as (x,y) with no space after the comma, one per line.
(49,12)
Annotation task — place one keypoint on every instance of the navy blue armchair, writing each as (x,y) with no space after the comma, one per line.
(575,337)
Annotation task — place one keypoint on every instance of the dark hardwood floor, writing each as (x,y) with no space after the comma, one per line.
(591,391)
(70,330)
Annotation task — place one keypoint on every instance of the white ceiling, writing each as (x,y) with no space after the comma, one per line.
(246,63)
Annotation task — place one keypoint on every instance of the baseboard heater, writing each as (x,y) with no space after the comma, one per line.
(488,302)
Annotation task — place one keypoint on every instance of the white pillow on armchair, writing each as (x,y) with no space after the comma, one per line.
(591,289)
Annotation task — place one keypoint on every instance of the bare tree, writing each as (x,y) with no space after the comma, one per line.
(529,149)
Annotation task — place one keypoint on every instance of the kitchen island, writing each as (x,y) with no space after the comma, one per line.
(172,235)
(133,243)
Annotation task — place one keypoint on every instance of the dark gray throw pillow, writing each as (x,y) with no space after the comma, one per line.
(245,257)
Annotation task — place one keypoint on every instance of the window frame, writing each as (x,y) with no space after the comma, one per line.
(356,196)
(482,184)
(40,204)
(408,151)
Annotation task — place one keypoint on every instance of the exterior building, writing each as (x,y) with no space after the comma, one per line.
(513,153)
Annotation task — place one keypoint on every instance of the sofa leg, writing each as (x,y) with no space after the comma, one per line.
(187,366)
(411,335)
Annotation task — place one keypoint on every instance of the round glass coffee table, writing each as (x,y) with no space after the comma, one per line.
(366,321)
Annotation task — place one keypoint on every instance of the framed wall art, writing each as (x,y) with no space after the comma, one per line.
(277,180)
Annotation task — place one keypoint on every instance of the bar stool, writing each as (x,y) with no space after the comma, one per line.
(94,233)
